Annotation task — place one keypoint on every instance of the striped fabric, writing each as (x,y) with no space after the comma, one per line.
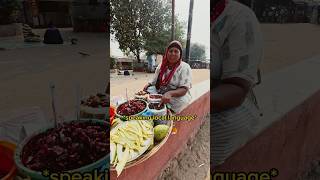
(231,129)
(236,49)
(27,31)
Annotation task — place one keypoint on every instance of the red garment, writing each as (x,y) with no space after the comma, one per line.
(218,9)
(164,80)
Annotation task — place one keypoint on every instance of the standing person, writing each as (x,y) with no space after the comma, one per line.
(52,35)
(173,78)
(236,49)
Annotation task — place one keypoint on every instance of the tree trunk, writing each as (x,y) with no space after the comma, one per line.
(138,58)
(138,55)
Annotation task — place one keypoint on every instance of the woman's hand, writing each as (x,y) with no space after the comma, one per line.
(146,87)
(166,97)
(230,93)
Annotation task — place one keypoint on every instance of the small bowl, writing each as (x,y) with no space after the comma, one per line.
(160,112)
(101,164)
(123,117)
(154,98)
(141,96)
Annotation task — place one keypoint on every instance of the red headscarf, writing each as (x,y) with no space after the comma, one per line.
(218,9)
(164,80)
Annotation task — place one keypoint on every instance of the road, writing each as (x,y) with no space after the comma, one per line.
(27,70)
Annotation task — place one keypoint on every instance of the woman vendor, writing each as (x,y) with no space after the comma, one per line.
(172,79)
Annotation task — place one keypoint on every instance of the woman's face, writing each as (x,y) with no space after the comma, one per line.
(173,55)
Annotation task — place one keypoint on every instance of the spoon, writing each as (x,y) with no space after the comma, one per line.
(52,87)
(78,101)
(127,96)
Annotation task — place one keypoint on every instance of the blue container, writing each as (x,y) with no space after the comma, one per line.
(102,164)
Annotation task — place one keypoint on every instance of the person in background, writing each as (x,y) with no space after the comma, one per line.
(52,35)
(236,52)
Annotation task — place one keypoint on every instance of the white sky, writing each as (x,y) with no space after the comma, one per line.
(200,32)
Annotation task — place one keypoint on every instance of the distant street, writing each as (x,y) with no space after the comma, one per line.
(27,70)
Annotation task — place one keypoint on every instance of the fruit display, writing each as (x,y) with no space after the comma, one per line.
(132,107)
(133,141)
(66,147)
(128,140)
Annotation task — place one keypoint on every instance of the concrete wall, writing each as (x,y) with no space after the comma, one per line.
(290,144)
(10,30)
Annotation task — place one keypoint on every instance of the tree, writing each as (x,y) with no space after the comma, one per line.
(197,52)
(156,43)
(131,20)
(112,62)
(7,10)
(142,25)
(158,39)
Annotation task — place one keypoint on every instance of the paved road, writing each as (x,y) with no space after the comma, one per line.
(26,72)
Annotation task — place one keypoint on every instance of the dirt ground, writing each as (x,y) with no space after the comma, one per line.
(193,163)
(26,71)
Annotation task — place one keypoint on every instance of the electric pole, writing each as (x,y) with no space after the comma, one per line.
(189,32)
(172,23)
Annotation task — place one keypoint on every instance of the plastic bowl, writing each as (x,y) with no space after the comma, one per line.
(100,165)
(154,100)
(160,112)
(138,114)
(7,148)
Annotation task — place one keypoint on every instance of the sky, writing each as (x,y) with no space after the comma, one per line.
(200,32)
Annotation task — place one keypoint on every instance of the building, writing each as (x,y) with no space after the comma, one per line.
(130,63)
(89,15)
(281,11)
(124,63)
(82,15)
(39,13)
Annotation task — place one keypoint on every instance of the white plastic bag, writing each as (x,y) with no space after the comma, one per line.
(22,123)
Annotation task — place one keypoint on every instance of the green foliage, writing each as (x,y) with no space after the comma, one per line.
(112,62)
(197,52)
(157,43)
(142,25)
(8,8)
